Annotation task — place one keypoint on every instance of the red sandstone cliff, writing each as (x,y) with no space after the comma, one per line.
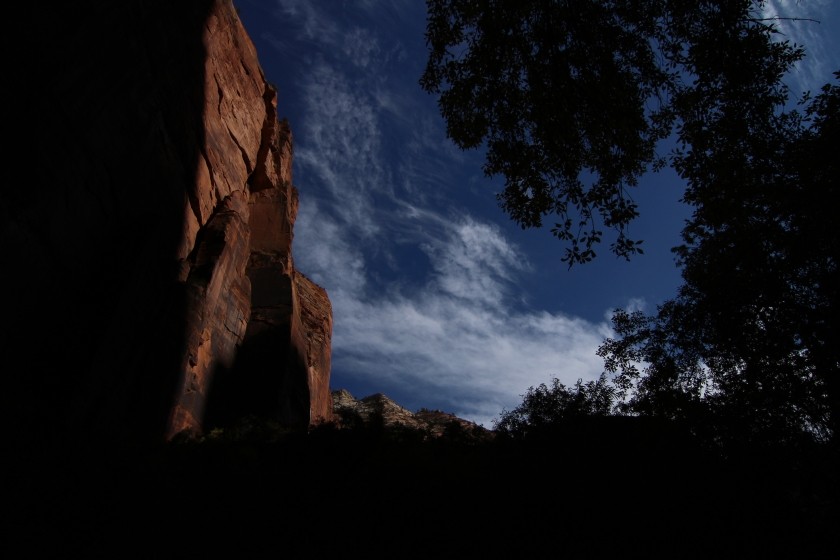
(149,271)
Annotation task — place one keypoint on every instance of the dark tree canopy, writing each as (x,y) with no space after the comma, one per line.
(545,407)
(749,346)
(570,98)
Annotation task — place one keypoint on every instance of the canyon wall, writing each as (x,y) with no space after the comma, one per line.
(148,273)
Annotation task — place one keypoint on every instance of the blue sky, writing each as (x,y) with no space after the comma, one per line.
(439,299)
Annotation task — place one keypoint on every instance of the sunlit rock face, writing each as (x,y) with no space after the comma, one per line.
(315,324)
(152,287)
(376,408)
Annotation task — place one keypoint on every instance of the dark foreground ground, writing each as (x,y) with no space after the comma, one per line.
(594,492)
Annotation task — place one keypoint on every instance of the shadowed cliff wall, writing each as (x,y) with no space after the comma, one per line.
(147,137)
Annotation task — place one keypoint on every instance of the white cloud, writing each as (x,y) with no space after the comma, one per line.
(462,349)
(474,360)
(474,262)
(327,249)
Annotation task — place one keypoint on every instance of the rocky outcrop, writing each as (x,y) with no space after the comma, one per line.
(149,252)
(379,411)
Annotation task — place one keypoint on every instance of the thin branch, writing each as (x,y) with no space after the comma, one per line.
(780,18)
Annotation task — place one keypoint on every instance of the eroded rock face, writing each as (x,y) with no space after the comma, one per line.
(149,262)
(247,155)
(315,326)
(218,308)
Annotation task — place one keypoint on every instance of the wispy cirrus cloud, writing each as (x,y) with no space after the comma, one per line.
(802,23)
(425,295)
(342,145)
(473,262)
(459,340)
(307,19)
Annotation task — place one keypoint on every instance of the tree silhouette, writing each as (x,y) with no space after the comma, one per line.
(571,98)
(548,407)
(749,346)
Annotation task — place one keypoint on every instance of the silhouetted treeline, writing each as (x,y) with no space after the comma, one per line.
(589,487)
